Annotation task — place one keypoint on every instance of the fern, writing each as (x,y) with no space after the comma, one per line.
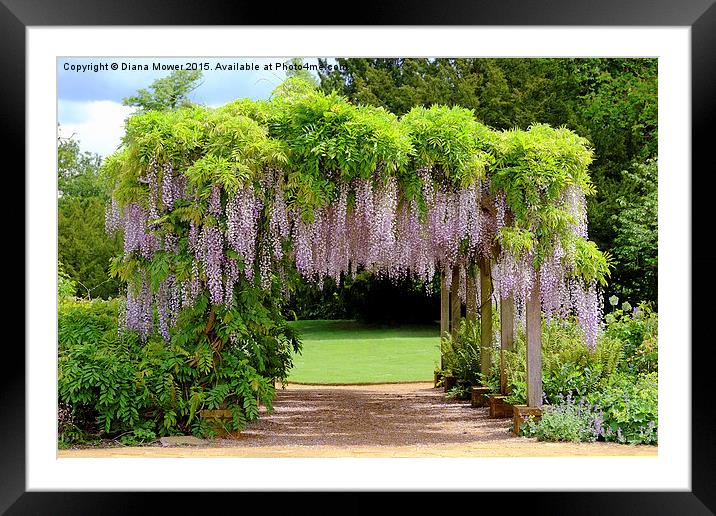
(115,385)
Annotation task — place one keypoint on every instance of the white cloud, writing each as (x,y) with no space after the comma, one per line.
(97,125)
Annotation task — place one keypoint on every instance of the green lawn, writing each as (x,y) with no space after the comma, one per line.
(351,352)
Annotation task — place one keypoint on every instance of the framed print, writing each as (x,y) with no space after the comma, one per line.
(55,60)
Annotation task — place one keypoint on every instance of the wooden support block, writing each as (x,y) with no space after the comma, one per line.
(449,382)
(499,408)
(216,414)
(479,396)
(520,415)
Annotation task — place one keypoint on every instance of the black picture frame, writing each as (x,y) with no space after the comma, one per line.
(699,15)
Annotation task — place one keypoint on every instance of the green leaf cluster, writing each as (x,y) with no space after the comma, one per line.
(114,384)
(450,141)
(84,248)
(569,368)
(613,102)
(319,141)
(533,169)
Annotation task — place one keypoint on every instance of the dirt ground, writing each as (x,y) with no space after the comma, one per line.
(389,420)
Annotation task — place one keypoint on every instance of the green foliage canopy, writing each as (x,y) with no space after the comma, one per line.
(166,93)
(611,102)
(321,141)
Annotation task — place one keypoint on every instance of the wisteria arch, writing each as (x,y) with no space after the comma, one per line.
(216,202)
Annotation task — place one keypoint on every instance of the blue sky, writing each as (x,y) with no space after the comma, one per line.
(89,105)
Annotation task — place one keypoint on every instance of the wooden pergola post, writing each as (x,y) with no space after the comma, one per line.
(534,347)
(485,317)
(444,313)
(471,296)
(455,303)
(507,336)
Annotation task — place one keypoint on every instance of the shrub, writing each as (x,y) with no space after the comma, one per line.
(624,412)
(637,328)
(80,322)
(568,421)
(462,358)
(460,392)
(630,409)
(112,384)
(569,368)
(66,286)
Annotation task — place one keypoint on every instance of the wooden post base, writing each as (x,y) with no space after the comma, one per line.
(479,396)
(499,408)
(218,419)
(449,381)
(520,415)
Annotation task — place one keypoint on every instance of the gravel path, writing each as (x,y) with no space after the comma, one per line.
(383,415)
(391,420)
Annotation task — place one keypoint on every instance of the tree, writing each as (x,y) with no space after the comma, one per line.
(504,93)
(170,92)
(84,248)
(618,112)
(298,70)
(78,173)
(637,235)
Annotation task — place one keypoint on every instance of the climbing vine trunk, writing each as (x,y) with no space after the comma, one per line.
(485,317)
(455,304)
(507,336)
(534,347)
(444,314)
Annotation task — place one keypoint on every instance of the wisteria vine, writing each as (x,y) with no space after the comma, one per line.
(378,231)
(200,225)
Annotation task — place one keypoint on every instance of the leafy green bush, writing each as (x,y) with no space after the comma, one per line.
(80,321)
(637,328)
(630,409)
(111,384)
(66,286)
(625,412)
(567,421)
(569,368)
(462,357)
(460,392)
